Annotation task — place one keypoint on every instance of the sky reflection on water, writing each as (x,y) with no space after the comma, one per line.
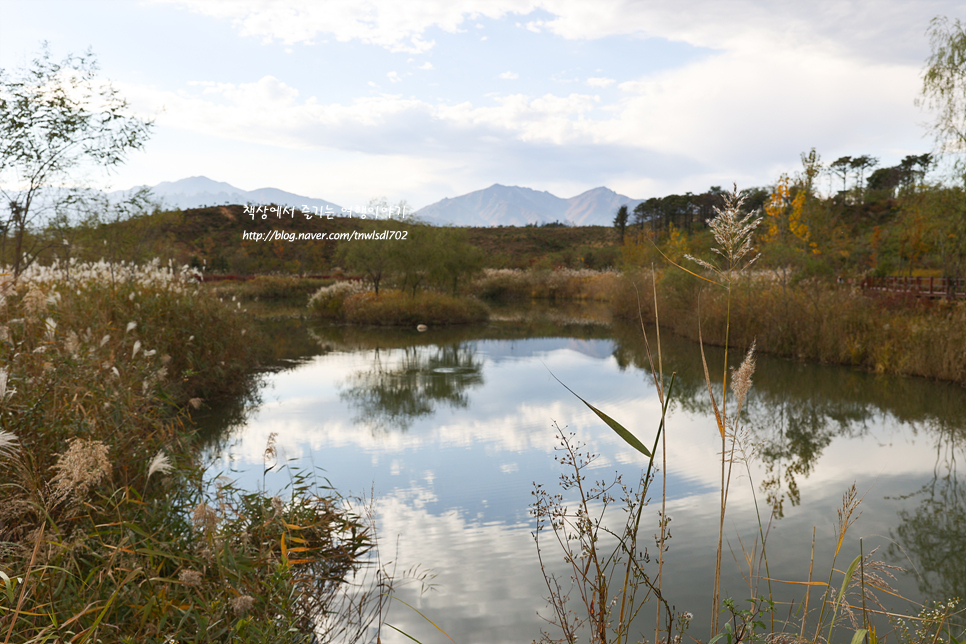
(450,438)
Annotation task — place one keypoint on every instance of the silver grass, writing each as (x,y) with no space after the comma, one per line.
(80,468)
(733,233)
(741,379)
(159,463)
(9,444)
(5,392)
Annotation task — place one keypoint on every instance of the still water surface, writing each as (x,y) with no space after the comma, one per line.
(450,429)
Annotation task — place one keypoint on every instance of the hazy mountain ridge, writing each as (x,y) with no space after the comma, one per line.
(195,192)
(497,205)
(517,206)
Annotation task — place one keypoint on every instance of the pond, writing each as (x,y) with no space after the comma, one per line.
(449,430)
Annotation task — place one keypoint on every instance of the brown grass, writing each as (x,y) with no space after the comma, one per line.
(810,320)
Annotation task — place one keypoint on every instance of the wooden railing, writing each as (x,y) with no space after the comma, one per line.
(918,286)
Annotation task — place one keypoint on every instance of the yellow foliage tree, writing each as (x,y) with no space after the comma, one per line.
(784,215)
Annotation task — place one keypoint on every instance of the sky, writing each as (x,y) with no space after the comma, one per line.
(348,100)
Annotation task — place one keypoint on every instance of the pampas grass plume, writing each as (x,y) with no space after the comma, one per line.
(159,463)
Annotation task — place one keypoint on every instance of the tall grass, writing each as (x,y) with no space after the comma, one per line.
(108,528)
(810,321)
(557,284)
(352,303)
(582,534)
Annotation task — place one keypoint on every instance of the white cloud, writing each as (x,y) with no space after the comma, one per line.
(769,82)
(866,28)
(386,23)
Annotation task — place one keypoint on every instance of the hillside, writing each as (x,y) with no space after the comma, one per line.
(214,238)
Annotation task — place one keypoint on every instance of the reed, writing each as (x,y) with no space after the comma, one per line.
(580,533)
(808,320)
(560,284)
(354,304)
(109,530)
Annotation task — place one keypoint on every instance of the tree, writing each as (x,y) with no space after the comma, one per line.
(57,120)
(944,86)
(368,257)
(841,167)
(620,221)
(456,259)
(859,165)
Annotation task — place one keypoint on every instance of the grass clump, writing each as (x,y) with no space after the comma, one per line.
(557,284)
(274,288)
(328,302)
(108,530)
(352,303)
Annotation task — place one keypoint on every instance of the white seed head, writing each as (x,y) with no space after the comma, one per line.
(5,391)
(81,467)
(733,233)
(190,577)
(159,463)
(9,444)
(741,379)
(242,604)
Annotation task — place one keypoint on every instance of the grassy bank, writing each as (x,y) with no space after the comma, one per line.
(108,531)
(353,303)
(809,320)
(558,284)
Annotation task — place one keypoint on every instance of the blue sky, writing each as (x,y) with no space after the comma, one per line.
(426,99)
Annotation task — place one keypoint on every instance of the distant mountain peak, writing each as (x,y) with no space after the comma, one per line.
(520,206)
(199,191)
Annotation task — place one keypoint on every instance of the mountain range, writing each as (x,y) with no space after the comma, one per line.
(196,192)
(497,205)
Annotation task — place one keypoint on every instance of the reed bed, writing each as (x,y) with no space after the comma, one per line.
(557,284)
(108,530)
(613,578)
(272,288)
(808,321)
(353,303)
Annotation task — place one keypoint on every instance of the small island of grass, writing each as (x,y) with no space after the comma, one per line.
(353,303)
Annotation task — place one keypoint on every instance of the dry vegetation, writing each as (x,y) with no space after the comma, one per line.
(108,530)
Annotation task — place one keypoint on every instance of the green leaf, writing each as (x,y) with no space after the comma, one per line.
(859,636)
(848,578)
(628,437)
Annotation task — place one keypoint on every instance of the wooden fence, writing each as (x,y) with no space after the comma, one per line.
(947,287)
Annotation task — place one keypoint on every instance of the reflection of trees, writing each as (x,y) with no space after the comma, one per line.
(794,410)
(409,383)
(282,344)
(933,534)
